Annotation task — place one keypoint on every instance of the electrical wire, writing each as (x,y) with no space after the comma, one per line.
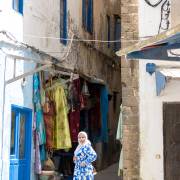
(81,40)
(155,4)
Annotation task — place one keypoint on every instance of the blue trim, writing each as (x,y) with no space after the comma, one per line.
(87,15)
(18,8)
(63,26)
(90,16)
(104,113)
(108,30)
(117,32)
(84,13)
(156,52)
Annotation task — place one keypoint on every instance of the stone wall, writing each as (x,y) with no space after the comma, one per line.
(130,98)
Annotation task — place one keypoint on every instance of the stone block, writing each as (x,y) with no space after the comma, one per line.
(130,101)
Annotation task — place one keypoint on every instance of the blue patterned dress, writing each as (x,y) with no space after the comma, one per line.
(87,155)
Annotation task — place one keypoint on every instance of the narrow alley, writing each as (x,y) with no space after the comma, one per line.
(108,174)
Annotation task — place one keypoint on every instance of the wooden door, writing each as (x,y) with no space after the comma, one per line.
(171,127)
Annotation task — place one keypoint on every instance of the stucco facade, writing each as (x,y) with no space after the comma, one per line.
(39,26)
(143,129)
(13,93)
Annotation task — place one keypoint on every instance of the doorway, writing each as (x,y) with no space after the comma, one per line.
(20,146)
(171,132)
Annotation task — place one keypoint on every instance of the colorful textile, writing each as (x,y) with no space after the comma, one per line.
(39,120)
(74,120)
(38,167)
(37,108)
(61,133)
(86,155)
(37,163)
(49,112)
(104,113)
(74,113)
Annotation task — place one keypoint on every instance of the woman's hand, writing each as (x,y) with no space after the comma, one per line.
(83,164)
(74,158)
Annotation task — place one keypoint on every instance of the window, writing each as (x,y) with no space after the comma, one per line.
(18,6)
(87,15)
(108,30)
(117,32)
(63,21)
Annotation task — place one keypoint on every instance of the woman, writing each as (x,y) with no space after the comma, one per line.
(84,155)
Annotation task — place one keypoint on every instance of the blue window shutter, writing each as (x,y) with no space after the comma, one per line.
(90,16)
(21,6)
(84,13)
(18,6)
(63,21)
(108,30)
(117,33)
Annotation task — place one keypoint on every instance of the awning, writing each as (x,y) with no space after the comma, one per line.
(163,46)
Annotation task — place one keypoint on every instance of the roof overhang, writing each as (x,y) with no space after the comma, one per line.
(163,46)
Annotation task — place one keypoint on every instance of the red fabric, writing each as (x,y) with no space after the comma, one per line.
(74,113)
(74,119)
(95,114)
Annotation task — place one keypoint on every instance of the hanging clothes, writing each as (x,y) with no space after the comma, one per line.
(74,121)
(119,136)
(40,127)
(37,163)
(49,113)
(104,113)
(119,133)
(61,133)
(74,113)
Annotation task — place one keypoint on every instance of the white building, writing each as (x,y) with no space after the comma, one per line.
(46,26)
(158,93)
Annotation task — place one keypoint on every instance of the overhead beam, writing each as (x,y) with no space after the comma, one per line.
(28,73)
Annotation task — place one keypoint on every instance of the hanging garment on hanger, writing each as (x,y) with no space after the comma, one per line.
(37,108)
(49,113)
(74,113)
(40,127)
(61,135)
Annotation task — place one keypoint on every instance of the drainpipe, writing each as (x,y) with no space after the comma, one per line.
(3,110)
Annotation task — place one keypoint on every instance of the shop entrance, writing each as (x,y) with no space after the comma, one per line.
(20,152)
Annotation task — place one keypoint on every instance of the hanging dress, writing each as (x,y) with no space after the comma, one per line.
(61,134)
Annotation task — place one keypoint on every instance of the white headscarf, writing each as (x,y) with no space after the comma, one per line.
(87,141)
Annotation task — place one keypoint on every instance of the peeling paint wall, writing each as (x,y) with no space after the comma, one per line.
(42,20)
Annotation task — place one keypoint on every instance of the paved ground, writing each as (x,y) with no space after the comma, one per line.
(108,174)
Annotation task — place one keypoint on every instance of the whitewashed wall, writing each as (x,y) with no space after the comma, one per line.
(12,22)
(42,25)
(151,115)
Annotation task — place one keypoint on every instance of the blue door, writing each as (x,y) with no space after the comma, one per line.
(20,152)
